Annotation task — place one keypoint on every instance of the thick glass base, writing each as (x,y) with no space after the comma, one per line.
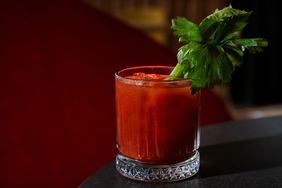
(157,173)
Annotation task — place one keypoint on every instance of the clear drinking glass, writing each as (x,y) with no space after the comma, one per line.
(157,125)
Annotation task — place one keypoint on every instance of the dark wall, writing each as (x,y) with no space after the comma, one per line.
(258,80)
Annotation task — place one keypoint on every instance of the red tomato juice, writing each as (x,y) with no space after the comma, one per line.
(157,119)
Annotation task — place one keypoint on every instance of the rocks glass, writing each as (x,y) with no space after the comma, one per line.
(157,125)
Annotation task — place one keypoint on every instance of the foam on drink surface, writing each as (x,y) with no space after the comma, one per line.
(144,76)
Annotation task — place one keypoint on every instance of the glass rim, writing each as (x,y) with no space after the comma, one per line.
(180,81)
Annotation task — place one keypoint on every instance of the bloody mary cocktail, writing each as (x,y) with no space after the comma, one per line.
(157,118)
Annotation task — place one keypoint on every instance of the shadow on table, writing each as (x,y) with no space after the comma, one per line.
(247,155)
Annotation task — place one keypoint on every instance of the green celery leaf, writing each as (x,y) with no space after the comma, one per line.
(213,50)
(210,61)
(234,54)
(183,63)
(253,45)
(223,23)
(186,30)
(182,53)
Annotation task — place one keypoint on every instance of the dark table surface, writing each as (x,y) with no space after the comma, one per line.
(235,154)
